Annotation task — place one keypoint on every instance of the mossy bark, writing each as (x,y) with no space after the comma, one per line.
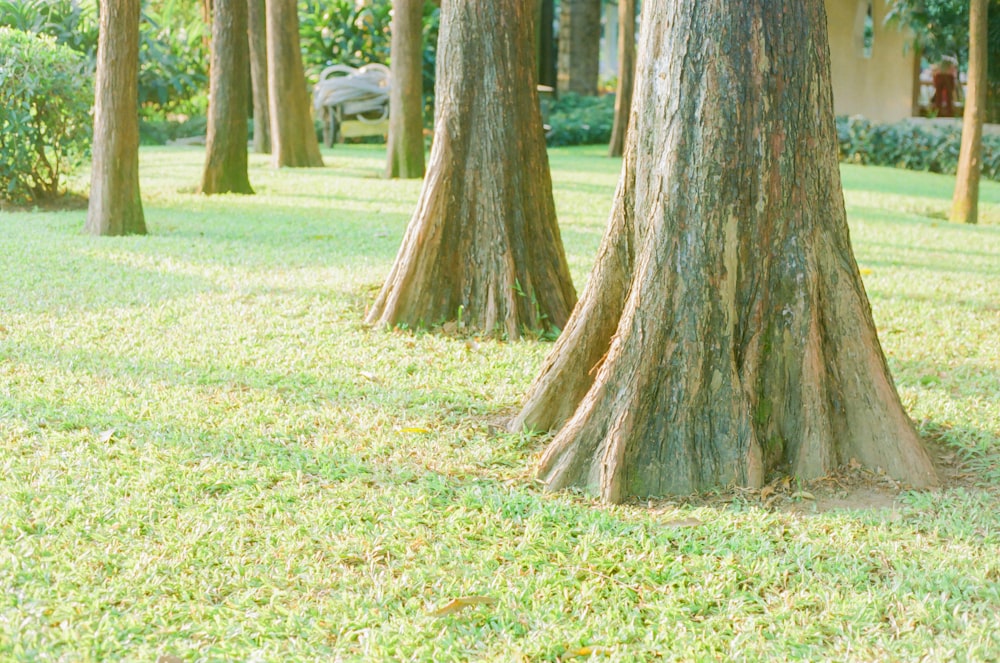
(483,246)
(725,332)
(115,207)
(226,149)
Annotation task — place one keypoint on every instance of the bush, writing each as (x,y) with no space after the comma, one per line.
(910,145)
(576,120)
(46,92)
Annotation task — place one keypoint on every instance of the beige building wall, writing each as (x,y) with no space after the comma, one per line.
(877,84)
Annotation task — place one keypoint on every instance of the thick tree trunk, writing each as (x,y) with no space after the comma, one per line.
(115,207)
(483,246)
(546,43)
(226,150)
(405,157)
(257,36)
(579,46)
(965,204)
(626,75)
(725,333)
(293,136)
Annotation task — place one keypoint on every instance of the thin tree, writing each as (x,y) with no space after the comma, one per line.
(115,207)
(293,137)
(226,149)
(724,334)
(965,203)
(405,158)
(626,76)
(257,36)
(579,55)
(483,246)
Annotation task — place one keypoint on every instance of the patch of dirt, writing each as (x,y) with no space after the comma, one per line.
(64,202)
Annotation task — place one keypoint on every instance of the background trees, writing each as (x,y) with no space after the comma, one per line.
(405,150)
(115,207)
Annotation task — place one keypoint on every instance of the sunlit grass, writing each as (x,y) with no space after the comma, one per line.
(203,453)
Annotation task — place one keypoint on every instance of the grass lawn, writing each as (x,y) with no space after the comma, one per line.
(205,455)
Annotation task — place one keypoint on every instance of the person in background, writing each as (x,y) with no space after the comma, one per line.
(945,87)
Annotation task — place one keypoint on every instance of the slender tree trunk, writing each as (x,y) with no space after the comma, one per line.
(579,46)
(405,157)
(257,36)
(725,333)
(115,207)
(293,136)
(965,204)
(226,150)
(483,246)
(626,74)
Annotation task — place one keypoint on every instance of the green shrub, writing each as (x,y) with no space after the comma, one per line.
(46,93)
(911,145)
(576,120)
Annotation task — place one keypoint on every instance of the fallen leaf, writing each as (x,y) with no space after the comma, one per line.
(683,522)
(169,658)
(471,345)
(461,603)
(414,429)
(766,492)
(369,376)
(865,272)
(581,652)
(802,494)
(105,436)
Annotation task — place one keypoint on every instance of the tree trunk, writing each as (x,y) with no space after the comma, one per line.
(626,74)
(965,204)
(483,246)
(579,46)
(546,43)
(115,207)
(725,333)
(257,36)
(226,148)
(293,136)
(405,157)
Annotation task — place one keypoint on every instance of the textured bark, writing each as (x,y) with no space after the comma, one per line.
(293,136)
(115,207)
(626,76)
(546,43)
(725,333)
(965,204)
(483,246)
(405,158)
(257,36)
(226,145)
(579,46)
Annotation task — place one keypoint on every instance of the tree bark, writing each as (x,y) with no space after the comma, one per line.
(579,46)
(965,203)
(483,246)
(226,145)
(725,333)
(546,43)
(626,75)
(405,158)
(257,36)
(115,207)
(293,136)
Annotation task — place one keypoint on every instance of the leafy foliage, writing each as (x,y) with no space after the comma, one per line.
(910,145)
(173,59)
(578,120)
(45,96)
(70,22)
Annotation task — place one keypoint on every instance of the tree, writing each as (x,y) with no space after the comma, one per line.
(226,145)
(115,207)
(483,246)
(546,43)
(724,333)
(257,36)
(406,125)
(965,204)
(579,46)
(626,74)
(293,138)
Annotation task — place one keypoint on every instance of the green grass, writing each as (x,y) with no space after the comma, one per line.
(204,454)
